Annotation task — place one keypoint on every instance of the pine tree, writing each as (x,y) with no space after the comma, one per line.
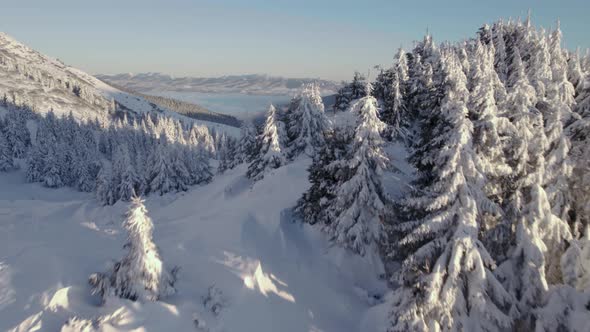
(558,165)
(52,176)
(230,156)
(6,159)
(394,103)
(125,174)
(360,199)
(578,131)
(328,170)
(269,153)
(141,274)
(160,174)
(351,92)
(561,90)
(500,57)
(85,164)
(247,142)
(540,74)
(106,187)
(180,174)
(491,131)
(447,279)
(17,133)
(198,166)
(306,122)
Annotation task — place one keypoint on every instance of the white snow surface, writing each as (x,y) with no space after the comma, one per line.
(274,274)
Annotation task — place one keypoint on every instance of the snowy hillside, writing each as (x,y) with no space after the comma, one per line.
(248,84)
(30,78)
(274,274)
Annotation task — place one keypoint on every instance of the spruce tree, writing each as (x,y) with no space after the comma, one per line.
(447,282)
(125,174)
(269,154)
(360,199)
(247,142)
(160,173)
(578,131)
(17,133)
(328,170)
(306,122)
(141,274)
(6,159)
(394,103)
(106,187)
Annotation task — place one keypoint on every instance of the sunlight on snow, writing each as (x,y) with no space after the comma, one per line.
(7,294)
(250,270)
(266,285)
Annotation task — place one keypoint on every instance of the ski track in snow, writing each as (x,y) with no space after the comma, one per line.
(277,275)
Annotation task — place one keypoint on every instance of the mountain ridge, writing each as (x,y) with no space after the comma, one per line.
(255,84)
(30,78)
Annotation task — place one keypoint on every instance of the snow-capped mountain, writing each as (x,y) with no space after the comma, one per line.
(42,83)
(31,78)
(247,84)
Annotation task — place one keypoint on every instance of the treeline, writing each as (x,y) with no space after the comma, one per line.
(116,159)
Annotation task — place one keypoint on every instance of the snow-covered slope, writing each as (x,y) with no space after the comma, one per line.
(248,84)
(275,275)
(30,78)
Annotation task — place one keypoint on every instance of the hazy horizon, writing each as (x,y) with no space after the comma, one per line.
(327,40)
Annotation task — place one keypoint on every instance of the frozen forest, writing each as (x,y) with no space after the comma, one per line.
(448,192)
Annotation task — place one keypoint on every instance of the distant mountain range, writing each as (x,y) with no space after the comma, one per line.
(246,84)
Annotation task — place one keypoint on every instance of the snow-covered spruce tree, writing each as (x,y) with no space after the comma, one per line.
(229,155)
(566,310)
(52,176)
(6,159)
(180,173)
(575,74)
(561,90)
(350,92)
(306,122)
(539,69)
(501,56)
(17,133)
(198,166)
(247,142)
(491,131)
(359,198)
(86,161)
(141,274)
(125,174)
(394,104)
(382,82)
(269,152)
(161,177)
(199,136)
(328,170)
(560,98)
(579,133)
(539,234)
(423,107)
(575,263)
(447,282)
(106,187)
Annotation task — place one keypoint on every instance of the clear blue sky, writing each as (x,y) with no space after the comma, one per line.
(296,38)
